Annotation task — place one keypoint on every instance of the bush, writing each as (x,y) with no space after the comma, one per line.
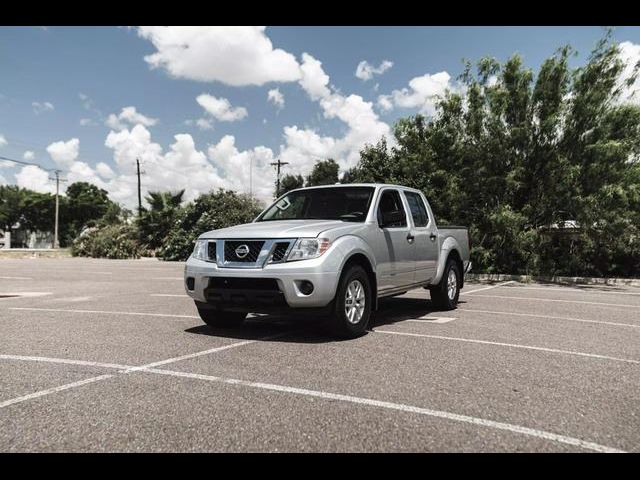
(209,211)
(111,241)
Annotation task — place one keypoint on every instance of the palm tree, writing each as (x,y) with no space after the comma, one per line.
(154,224)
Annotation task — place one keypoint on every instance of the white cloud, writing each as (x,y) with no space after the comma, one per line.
(40,107)
(3,141)
(104,170)
(314,81)
(129,116)
(3,181)
(64,154)
(88,122)
(183,166)
(204,124)
(630,54)
(276,98)
(304,146)
(242,170)
(34,178)
(423,93)
(231,55)
(28,155)
(220,108)
(365,71)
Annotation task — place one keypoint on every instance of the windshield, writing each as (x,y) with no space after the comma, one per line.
(349,204)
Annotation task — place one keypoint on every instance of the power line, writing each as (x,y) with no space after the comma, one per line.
(27,163)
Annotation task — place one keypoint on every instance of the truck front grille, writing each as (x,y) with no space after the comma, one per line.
(279,251)
(234,250)
(211,251)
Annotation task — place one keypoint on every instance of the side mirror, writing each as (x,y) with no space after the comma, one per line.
(389,219)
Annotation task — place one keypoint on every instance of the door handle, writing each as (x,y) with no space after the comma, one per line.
(433,237)
(410,238)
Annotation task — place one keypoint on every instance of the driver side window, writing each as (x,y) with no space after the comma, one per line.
(391,211)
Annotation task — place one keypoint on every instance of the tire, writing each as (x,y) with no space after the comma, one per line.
(445,295)
(220,318)
(349,320)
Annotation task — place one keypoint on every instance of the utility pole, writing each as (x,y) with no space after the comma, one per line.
(56,242)
(139,194)
(278,164)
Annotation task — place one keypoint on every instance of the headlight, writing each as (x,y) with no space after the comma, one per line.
(200,250)
(307,248)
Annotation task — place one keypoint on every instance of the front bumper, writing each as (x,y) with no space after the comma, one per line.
(251,288)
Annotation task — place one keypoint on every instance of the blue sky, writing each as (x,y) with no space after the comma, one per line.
(327,110)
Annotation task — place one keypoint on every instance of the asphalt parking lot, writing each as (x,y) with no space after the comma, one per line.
(109,355)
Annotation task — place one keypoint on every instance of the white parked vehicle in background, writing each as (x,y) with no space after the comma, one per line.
(334,250)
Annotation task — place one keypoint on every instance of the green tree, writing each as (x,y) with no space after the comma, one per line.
(290,182)
(523,153)
(325,172)
(155,223)
(219,209)
(85,204)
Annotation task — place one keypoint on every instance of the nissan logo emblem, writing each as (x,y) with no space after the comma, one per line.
(242,251)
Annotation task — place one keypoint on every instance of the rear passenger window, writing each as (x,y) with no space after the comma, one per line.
(418,210)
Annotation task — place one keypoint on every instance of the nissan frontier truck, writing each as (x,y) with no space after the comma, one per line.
(332,250)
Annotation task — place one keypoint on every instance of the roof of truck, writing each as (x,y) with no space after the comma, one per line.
(358,185)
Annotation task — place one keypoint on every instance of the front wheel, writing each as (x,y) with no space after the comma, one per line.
(352,303)
(220,318)
(445,295)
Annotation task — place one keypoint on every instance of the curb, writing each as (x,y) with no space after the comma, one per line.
(501,277)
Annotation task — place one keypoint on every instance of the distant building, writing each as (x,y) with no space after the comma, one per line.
(22,238)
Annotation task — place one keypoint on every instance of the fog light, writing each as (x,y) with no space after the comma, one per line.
(191,282)
(306,287)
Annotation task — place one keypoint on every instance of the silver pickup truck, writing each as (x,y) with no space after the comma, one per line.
(333,250)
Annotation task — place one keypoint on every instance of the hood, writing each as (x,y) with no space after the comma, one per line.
(277,229)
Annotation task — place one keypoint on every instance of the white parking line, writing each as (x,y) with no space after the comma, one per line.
(427,319)
(65,361)
(104,312)
(550,436)
(48,391)
(512,345)
(616,324)
(169,295)
(621,305)
(553,437)
(487,288)
(167,278)
(16,278)
(125,370)
(563,288)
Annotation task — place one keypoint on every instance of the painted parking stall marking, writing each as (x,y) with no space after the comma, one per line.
(511,345)
(550,317)
(368,402)
(542,299)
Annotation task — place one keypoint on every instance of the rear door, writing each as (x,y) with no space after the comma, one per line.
(394,248)
(425,238)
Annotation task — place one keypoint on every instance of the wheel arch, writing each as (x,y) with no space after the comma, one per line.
(361,259)
(455,255)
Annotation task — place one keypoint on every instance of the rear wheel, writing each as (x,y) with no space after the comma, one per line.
(220,318)
(352,303)
(445,295)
